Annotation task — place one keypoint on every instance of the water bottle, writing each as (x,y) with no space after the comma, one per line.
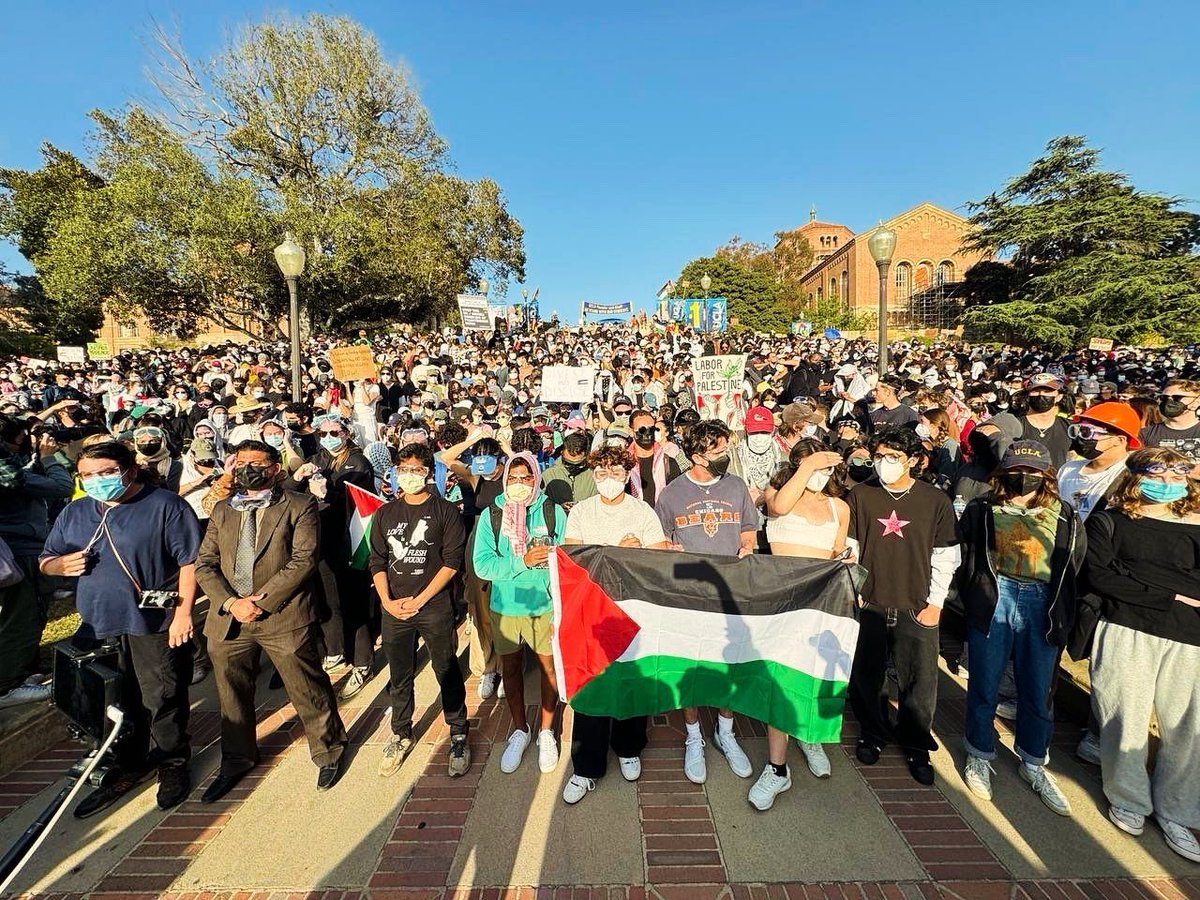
(959,505)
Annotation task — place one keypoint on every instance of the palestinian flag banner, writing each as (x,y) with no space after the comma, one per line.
(362,510)
(640,632)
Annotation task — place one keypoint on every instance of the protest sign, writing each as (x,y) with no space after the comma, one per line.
(71,354)
(718,385)
(568,384)
(473,308)
(1102,344)
(352,363)
(607,310)
(98,351)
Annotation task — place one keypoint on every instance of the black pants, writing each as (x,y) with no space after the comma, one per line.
(154,697)
(914,650)
(351,626)
(434,624)
(591,737)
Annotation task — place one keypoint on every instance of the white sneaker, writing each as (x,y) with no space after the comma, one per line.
(818,761)
(1046,787)
(631,767)
(767,788)
(26,693)
(738,761)
(1127,820)
(1007,710)
(517,742)
(694,766)
(487,685)
(1089,748)
(547,751)
(1180,838)
(978,775)
(333,663)
(577,788)
(395,751)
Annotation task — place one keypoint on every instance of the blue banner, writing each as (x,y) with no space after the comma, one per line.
(608,310)
(703,315)
(718,319)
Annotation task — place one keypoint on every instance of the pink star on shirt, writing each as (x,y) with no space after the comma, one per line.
(893,524)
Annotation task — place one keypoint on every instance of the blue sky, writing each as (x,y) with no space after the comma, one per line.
(632,137)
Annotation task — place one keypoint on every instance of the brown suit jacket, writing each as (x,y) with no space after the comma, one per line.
(289,538)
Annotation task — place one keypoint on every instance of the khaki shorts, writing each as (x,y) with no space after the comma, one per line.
(510,632)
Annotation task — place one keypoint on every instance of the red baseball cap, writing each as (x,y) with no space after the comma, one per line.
(759,420)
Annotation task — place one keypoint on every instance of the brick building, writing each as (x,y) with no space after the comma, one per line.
(928,255)
(136,333)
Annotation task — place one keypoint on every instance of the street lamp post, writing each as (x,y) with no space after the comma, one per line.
(525,306)
(882,243)
(290,258)
(705,284)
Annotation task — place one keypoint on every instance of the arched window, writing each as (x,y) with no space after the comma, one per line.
(833,288)
(903,281)
(820,294)
(846,285)
(945,273)
(924,276)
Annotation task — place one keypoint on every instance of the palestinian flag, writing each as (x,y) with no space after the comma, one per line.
(362,510)
(640,632)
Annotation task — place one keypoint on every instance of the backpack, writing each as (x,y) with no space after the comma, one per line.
(10,572)
(496,514)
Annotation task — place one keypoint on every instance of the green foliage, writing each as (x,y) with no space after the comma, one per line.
(752,295)
(296,125)
(32,323)
(1087,255)
(831,312)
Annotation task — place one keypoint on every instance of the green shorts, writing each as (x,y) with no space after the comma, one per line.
(510,632)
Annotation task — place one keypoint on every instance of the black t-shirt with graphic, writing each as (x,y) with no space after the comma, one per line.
(896,538)
(1182,440)
(412,543)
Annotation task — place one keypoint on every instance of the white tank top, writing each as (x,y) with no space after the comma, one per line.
(791,528)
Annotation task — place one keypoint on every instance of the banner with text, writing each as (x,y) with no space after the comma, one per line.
(99,350)
(718,383)
(352,363)
(71,354)
(607,310)
(568,384)
(474,311)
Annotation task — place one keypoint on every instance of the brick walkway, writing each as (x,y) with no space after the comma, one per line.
(683,856)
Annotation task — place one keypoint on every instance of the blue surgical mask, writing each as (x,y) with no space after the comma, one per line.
(483,465)
(332,442)
(1161,491)
(275,440)
(104,487)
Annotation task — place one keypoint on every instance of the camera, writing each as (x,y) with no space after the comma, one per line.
(158,599)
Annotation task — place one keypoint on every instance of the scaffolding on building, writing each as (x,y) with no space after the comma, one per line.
(939,306)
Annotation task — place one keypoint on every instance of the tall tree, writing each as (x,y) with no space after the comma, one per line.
(753,299)
(1089,255)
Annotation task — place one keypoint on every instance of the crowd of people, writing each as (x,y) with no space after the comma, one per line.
(1049,502)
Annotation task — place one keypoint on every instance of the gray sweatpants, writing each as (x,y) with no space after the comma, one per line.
(1134,673)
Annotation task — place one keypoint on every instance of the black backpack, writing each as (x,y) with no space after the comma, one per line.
(496,514)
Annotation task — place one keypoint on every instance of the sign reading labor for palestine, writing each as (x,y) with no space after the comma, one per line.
(568,384)
(718,383)
(352,363)
(473,308)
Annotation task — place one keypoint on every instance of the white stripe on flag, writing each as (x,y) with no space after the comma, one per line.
(808,640)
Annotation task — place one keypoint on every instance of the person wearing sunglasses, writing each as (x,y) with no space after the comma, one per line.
(1179,404)
(1142,562)
(1103,435)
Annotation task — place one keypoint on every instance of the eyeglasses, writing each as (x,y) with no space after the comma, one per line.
(521,479)
(863,463)
(1163,469)
(336,431)
(889,457)
(412,470)
(1087,432)
(615,472)
(1182,398)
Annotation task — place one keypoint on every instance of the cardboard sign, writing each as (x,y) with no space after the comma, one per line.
(1102,344)
(98,351)
(718,384)
(71,354)
(568,384)
(352,363)
(473,308)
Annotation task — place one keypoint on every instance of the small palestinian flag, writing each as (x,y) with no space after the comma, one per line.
(640,632)
(362,510)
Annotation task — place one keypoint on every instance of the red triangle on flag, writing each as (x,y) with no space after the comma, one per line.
(593,631)
(363,502)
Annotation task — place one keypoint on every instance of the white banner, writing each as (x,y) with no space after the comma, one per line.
(71,354)
(718,385)
(568,384)
(474,311)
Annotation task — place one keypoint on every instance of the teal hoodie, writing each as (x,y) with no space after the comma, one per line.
(517,590)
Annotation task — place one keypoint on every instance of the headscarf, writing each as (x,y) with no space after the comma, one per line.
(379,455)
(512,525)
(160,461)
(217,440)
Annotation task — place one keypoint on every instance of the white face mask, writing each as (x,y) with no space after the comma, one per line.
(923,432)
(817,480)
(410,483)
(609,488)
(518,493)
(890,472)
(758,443)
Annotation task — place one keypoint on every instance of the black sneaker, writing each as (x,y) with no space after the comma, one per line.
(174,784)
(460,755)
(103,797)
(920,769)
(868,754)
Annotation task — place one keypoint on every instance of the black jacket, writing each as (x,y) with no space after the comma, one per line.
(976,578)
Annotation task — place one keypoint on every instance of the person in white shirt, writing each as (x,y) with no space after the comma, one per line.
(1103,435)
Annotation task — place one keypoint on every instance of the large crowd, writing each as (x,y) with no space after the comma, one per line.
(199,515)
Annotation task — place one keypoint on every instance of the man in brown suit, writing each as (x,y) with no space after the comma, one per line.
(257,565)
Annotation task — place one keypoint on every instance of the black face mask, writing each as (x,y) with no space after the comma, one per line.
(575,468)
(149,449)
(1017,484)
(718,466)
(1040,403)
(253,478)
(1172,408)
(1086,449)
(645,437)
(861,471)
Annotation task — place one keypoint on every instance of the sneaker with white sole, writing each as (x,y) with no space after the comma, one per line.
(1089,748)
(332,663)
(499,687)
(694,766)
(460,756)
(577,788)
(738,761)
(26,693)
(1180,838)
(517,742)
(1127,820)
(1047,788)
(767,788)
(395,751)
(1007,710)
(487,685)
(977,773)
(631,767)
(359,676)
(815,756)
(547,751)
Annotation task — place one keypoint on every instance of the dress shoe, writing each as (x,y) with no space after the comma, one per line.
(174,784)
(868,754)
(221,786)
(920,769)
(104,797)
(327,776)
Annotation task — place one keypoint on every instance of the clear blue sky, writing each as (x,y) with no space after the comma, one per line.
(633,137)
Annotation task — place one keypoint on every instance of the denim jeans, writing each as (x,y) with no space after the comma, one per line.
(1018,630)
